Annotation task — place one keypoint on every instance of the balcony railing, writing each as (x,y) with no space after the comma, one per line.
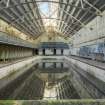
(6,39)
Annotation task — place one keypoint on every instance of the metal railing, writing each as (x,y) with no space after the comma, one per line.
(6,39)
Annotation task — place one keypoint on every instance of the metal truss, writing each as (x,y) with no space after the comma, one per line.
(72,15)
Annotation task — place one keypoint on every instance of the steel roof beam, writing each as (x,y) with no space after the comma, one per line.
(37,10)
(91,7)
(72,12)
(19,17)
(66,4)
(87,12)
(99,12)
(29,15)
(32,16)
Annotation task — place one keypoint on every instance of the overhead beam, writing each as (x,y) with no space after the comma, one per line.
(51,1)
(73,10)
(85,14)
(99,12)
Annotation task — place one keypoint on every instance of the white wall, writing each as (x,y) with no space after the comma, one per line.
(40,52)
(49,51)
(58,51)
(86,36)
(66,52)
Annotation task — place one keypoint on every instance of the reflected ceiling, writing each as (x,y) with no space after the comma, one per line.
(33,17)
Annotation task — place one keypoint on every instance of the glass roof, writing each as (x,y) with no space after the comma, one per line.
(33,17)
(48,11)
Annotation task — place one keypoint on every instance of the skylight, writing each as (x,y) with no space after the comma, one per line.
(48,11)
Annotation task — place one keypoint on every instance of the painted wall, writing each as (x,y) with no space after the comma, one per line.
(40,52)
(94,32)
(58,52)
(49,51)
(66,52)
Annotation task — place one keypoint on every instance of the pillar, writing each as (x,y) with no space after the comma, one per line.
(44,52)
(54,51)
(62,52)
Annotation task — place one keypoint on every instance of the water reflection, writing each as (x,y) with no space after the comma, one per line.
(52,79)
(70,81)
(52,67)
(52,70)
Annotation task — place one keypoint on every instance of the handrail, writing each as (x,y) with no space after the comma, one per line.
(4,38)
